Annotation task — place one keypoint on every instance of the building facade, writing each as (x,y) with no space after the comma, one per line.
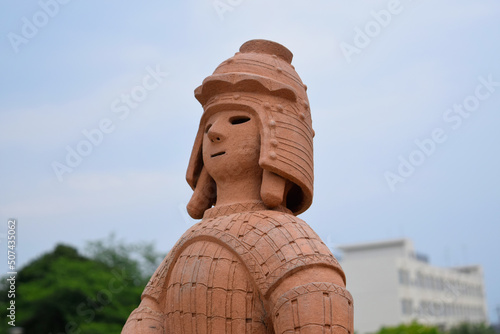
(392,284)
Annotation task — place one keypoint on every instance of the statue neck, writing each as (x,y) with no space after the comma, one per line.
(238,191)
(250,206)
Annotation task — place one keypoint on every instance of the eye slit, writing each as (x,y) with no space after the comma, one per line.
(208,128)
(239,119)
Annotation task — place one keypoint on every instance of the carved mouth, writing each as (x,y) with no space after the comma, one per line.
(218,154)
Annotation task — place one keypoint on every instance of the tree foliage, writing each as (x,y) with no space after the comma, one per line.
(416,328)
(140,260)
(66,292)
(468,328)
(413,328)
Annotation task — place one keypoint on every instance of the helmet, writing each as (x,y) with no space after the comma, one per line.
(261,79)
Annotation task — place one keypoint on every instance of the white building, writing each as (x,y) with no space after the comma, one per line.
(391,284)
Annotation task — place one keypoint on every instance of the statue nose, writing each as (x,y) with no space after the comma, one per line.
(214,135)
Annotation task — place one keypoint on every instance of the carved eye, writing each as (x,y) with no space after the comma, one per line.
(239,119)
(208,128)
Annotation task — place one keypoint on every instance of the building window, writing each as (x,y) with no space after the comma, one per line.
(406,306)
(440,284)
(419,280)
(404,277)
(438,309)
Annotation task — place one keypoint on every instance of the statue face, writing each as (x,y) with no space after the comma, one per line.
(231,145)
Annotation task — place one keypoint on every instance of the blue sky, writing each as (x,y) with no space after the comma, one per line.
(376,89)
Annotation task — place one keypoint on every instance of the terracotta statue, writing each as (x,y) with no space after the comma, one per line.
(250,265)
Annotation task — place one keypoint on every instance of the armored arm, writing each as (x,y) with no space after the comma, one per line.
(315,307)
(146,319)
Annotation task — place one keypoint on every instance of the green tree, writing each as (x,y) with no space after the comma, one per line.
(140,260)
(469,328)
(413,328)
(66,292)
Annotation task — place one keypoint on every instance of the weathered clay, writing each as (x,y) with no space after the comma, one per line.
(250,265)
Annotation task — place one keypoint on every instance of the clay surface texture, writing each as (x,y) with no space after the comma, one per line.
(250,265)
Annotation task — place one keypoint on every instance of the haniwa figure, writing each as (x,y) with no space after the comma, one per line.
(250,265)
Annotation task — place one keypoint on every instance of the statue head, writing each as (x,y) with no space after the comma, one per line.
(257,98)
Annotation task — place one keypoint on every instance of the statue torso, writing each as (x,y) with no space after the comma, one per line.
(223,269)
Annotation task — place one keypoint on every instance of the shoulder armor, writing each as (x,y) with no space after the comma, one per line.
(270,244)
